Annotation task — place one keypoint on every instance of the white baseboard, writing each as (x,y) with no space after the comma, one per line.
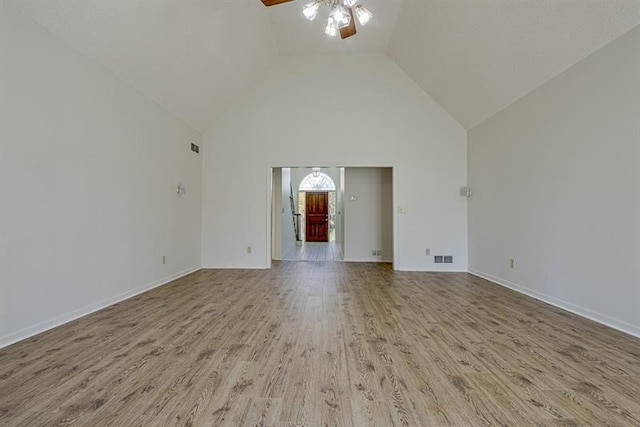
(92,308)
(426,270)
(236,267)
(575,309)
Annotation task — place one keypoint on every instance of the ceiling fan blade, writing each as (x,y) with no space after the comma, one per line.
(349,30)
(274,2)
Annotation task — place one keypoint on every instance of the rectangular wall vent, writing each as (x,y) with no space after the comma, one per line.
(448,259)
(438,259)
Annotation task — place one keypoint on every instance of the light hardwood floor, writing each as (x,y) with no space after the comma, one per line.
(337,344)
(315,251)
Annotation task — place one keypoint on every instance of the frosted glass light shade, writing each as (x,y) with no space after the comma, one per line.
(310,10)
(350,3)
(332,27)
(341,17)
(363,14)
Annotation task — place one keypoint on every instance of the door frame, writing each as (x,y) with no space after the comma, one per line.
(269,199)
(306,219)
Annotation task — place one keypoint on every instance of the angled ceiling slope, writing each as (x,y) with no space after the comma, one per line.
(474,57)
(477,57)
(190,56)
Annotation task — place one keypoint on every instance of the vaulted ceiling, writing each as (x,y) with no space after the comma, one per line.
(473,57)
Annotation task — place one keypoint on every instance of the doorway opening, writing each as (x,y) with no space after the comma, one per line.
(332,214)
(317,207)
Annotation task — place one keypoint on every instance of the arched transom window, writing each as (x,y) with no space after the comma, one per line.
(317,182)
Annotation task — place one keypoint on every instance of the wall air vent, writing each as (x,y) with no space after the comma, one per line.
(195,148)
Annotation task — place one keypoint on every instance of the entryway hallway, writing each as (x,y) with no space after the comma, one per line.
(315,251)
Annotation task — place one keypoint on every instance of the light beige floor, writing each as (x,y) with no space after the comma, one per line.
(315,251)
(324,344)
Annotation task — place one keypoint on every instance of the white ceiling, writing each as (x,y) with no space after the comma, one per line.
(477,57)
(191,56)
(474,57)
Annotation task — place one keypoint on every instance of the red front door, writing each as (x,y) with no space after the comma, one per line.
(317,223)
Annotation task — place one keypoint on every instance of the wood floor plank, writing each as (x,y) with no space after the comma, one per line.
(314,251)
(324,343)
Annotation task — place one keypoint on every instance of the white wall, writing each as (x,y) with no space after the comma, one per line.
(288,232)
(357,110)
(276,214)
(369,218)
(340,200)
(556,186)
(88,170)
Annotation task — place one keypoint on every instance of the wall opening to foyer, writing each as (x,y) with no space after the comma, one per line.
(362,224)
(315,187)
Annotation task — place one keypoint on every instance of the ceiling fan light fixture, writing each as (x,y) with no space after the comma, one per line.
(341,16)
(341,19)
(363,14)
(310,10)
(332,28)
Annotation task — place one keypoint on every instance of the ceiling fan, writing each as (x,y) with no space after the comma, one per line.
(340,17)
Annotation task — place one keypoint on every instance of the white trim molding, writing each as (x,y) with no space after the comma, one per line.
(31,331)
(575,309)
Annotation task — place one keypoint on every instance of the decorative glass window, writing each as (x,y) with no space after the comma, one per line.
(317,182)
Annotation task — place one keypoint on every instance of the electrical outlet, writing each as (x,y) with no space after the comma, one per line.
(427,252)
(249,249)
(164,259)
(512,263)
